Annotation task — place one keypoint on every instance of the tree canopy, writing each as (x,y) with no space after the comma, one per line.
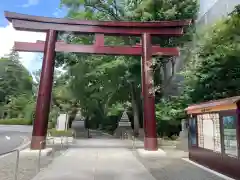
(211,68)
(105,85)
(16,84)
(14,78)
(212,71)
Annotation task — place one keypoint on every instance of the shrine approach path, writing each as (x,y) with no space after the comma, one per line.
(107,158)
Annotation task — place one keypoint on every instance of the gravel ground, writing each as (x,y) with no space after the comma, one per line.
(27,164)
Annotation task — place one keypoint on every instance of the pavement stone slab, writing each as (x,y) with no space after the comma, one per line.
(174,168)
(97,163)
(114,159)
(104,158)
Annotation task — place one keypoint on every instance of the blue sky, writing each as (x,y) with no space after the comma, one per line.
(8,35)
(33,7)
(49,8)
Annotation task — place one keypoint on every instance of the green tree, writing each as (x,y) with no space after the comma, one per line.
(212,71)
(15,86)
(14,78)
(102,83)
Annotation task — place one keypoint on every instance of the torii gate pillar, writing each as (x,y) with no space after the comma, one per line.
(150,138)
(99,28)
(44,93)
(45,90)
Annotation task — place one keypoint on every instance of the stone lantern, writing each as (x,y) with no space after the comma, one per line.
(124,129)
(79,126)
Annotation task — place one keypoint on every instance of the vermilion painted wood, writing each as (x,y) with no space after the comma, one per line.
(177,23)
(144,29)
(213,103)
(238,127)
(150,139)
(110,50)
(84,29)
(217,161)
(44,93)
(29,47)
(99,40)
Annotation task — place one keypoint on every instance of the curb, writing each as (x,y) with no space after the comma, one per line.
(207,169)
(107,134)
(24,144)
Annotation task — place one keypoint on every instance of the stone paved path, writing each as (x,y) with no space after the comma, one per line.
(174,168)
(112,159)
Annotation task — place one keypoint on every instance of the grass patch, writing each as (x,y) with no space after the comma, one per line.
(172,138)
(55,133)
(15,121)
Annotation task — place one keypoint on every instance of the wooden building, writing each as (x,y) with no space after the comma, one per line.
(214,135)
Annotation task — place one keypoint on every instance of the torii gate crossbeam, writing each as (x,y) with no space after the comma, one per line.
(54,25)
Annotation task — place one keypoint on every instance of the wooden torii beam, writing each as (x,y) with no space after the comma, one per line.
(43,24)
(100,28)
(109,50)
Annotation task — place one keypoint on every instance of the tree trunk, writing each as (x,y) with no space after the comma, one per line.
(135,110)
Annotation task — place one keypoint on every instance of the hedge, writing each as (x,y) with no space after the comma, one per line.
(56,133)
(15,121)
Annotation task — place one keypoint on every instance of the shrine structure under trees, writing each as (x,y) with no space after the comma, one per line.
(52,26)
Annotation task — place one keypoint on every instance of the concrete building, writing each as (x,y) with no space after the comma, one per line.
(213,10)
(210,11)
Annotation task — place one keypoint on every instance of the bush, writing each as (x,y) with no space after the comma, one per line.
(50,125)
(29,111)
(53,116)
(56,133)
(15,121)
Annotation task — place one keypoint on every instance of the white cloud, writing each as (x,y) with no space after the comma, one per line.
(57,13)
(30,3)
(8,35)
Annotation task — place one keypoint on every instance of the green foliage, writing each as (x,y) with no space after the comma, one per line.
(134,9)
(116,109)
(56,133)
(16,87)
(171,109)
(29,110)
(53,115)
(20,106)
(62,99)
(169,114)
(15,79)
(102,84)
(50,125)
(15,121)
(212,71)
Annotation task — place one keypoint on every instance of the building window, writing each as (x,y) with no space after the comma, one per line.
(200,131)
(230,135)
(192,132)
(209,131)
(217,134)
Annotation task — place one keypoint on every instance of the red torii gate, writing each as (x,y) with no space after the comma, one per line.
(100,28)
